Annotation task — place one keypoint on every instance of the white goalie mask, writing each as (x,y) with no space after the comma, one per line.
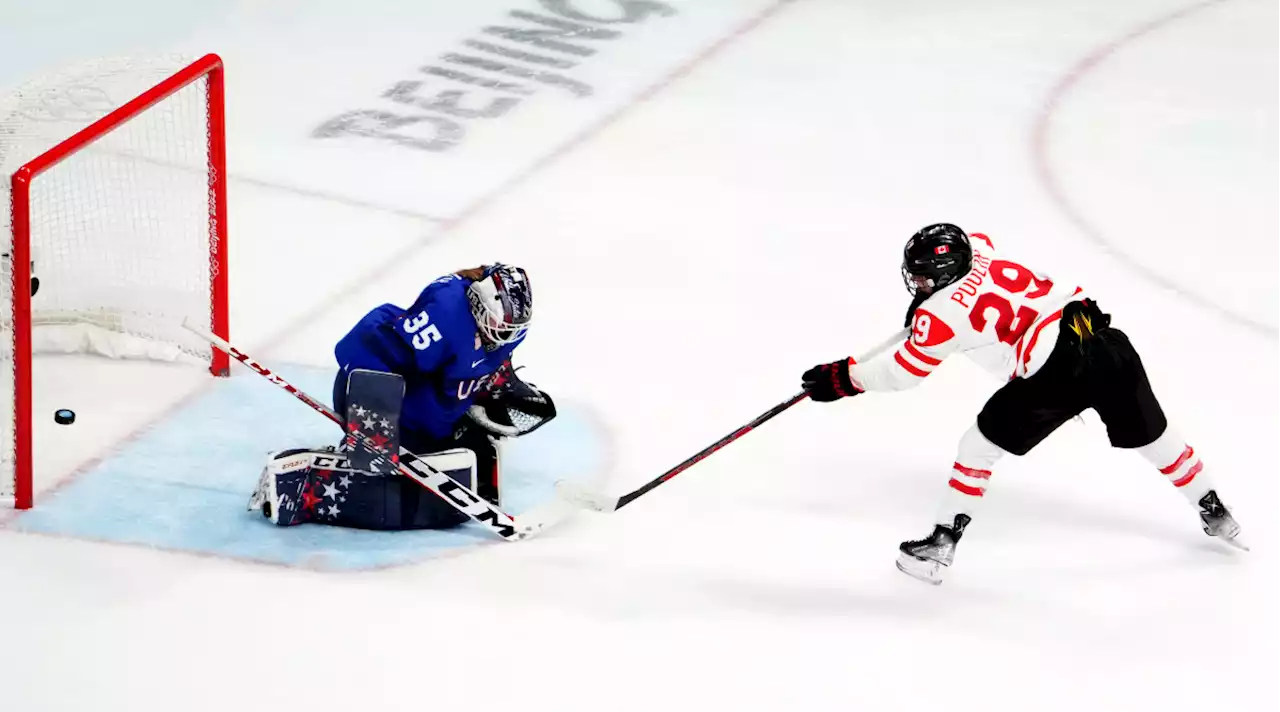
(502,304)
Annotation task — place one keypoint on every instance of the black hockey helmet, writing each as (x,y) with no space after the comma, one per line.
(936,256)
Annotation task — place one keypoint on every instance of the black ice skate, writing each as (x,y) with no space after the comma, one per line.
(927,559)
(1217,520)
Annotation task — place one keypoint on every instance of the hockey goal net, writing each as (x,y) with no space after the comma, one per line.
(113,227)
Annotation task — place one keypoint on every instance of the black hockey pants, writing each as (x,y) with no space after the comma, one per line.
(1096,368)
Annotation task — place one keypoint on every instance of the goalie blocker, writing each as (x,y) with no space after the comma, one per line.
(344,486)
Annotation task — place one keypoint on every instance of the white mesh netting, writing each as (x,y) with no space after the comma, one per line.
(120,230)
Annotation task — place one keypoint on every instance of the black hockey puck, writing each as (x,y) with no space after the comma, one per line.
(63,416)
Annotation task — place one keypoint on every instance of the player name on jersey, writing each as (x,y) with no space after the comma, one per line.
(1002,315)
(968,287)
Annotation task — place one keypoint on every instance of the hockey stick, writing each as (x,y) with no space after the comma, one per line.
(605,503)
(455,494)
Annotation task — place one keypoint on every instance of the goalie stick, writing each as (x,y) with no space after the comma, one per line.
(605,503)
(454,493)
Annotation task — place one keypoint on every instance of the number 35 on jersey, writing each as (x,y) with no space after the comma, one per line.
(424,332)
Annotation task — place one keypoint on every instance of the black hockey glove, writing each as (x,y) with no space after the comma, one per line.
(509,407)
(830,381)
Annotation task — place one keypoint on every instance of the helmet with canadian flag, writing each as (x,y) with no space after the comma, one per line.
(934,257)
(502,304)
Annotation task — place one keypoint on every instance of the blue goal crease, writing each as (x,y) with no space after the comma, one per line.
(184,483)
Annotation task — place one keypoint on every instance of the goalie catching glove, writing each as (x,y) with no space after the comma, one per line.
(509,407)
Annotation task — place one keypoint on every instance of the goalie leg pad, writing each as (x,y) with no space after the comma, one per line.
(285,478)
(421,509)
(322,487)
(373,403)
(394,502)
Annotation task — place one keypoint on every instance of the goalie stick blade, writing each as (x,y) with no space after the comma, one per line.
(543,517)
(582,497)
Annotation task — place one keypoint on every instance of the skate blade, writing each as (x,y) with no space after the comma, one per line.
(1230,538)
(928,571)
(1234,542)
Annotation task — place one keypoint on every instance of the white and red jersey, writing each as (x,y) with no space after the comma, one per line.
(1003,315)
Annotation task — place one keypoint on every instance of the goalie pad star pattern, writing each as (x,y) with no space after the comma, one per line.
(380,431)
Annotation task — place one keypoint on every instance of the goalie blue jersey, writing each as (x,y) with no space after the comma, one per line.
(435,346)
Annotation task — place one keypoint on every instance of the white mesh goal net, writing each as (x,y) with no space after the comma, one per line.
(123,238)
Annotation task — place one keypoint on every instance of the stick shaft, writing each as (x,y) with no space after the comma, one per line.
(706,452)
(764,417)
(268,374)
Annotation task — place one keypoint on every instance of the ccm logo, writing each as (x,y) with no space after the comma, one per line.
(476,508)
(329,462)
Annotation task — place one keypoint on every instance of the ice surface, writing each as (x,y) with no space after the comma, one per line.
(691,258)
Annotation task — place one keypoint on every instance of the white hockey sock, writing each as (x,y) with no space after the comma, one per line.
(1178,462)
(969,476)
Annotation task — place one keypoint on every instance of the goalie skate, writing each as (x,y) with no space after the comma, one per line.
(928,559)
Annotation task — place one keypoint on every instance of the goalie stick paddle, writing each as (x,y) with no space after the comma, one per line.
(605,503)
(455,494)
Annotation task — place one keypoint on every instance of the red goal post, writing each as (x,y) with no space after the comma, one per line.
(119,209)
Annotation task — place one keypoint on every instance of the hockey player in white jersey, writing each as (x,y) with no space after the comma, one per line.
(1057,350)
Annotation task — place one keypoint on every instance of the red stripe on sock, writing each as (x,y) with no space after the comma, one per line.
(1191,474)
(958,485)
(979,474)
(1186,455)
